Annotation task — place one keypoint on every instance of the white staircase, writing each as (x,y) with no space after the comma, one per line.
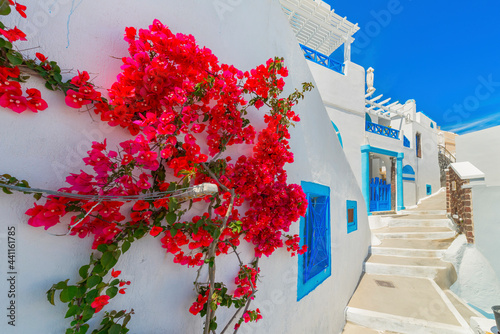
(405,285)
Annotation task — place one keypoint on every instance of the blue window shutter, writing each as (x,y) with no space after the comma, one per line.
(352,216)
(315,264)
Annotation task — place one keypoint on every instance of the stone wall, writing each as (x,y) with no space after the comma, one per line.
(459,203)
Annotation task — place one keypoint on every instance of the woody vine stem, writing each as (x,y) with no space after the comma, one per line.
(185,112)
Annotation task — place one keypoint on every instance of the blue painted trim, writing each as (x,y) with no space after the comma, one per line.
(399,182)
(381,130)
(365,175)
(408,179)
(428,189)
(337,131)
(303,289)
(367,117)
(408,169)
(352,226)
(322,59)
(372,149)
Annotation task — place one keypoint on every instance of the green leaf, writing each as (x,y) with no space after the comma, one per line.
(88,313)
(126,320)
(7,191)
(61,285)
(102,248)
(91,296)
(115,281)
(84,329)
(112,291)
(107,259)
(50,296)
(93,281)
(115,329)
(4,8)
(72,311)
(84,271)
(68,293)
(171,218)
(15,58)
(126,245)
(37,196)
(213,325)
(173,232)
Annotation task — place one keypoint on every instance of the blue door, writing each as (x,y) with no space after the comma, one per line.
(380,195)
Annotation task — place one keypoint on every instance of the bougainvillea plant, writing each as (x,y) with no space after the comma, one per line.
(184,111)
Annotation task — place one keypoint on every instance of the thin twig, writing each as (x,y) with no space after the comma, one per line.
(211,269)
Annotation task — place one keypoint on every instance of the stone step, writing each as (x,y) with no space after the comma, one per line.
(423,212)
(423,244)
(404,305)
(351,328)
(432,233)
(424,267)
(465,310)
(377,250)
(410,222)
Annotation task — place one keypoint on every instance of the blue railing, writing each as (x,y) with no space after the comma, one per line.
(406,142)
(322,59)
(382,130)
(380,195)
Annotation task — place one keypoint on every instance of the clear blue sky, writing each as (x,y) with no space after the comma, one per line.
(443,54)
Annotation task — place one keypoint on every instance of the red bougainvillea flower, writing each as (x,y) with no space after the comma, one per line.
(20,9)
(155,231)
(75,99)
(35,101)
(13,34)
(115,273)
(100,302)
(16,103)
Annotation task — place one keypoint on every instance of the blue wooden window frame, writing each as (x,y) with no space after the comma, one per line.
(352,220)
(428,189)
(315,264)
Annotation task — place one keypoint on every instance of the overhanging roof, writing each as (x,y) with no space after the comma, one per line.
(317,26)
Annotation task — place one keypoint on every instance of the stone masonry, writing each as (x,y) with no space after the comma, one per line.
(459,203)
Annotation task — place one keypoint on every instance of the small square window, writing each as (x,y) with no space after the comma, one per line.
(352,216)
(428,189)
(315,264)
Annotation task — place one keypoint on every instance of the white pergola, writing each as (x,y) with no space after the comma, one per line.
(383,109)
(318,27)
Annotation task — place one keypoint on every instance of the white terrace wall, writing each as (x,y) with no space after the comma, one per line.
(482,149)
(344,97)
(43,148)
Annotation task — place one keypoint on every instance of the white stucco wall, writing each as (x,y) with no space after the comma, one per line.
(45,147)
(481,148)
(485,201)
(343,97)
(476,282)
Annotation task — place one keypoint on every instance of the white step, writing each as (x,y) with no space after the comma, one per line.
(402,222)
(407,251)
(423,212)
(416,235)
(399,324)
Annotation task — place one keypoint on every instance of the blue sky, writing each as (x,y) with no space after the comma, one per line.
(443,54)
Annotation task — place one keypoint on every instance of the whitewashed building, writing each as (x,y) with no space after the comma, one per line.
(391,147)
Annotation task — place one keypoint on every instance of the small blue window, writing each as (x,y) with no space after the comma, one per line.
(338,134)
(315,264)
(429,189)
(432,125)
(406,142)
(352,216)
